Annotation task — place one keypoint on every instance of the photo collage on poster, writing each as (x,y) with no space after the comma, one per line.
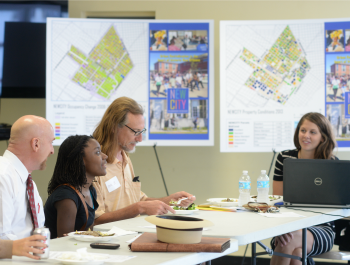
(179,81)
(337,90)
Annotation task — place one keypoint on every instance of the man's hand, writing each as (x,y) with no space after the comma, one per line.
(283,240)
(154,207)
(23,246)
(182,194)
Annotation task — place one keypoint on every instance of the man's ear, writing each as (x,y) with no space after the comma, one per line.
(116,129)
(35,144)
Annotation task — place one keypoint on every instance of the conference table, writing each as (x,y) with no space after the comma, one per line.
(144,258)
(247,227)
(241,227)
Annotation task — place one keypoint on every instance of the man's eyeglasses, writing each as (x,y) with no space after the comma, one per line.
(137,133)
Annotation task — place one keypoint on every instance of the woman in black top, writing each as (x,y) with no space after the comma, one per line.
(70,189)
(313,139)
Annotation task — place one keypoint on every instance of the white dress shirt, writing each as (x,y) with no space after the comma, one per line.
(15,214)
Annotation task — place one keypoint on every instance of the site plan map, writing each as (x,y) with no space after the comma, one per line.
(272,72)
(103,70)
(280,72)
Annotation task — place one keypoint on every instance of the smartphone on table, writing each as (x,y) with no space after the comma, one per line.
(105,245)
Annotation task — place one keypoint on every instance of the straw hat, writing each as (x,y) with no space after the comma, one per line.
(178,229)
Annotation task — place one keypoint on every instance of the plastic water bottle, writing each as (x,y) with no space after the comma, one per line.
(263,185)
(244,189)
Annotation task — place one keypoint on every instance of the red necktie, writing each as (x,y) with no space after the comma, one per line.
(30,192)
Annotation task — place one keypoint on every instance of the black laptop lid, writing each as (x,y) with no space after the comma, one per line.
(316,181)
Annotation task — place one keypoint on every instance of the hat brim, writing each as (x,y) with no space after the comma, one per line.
(178,222)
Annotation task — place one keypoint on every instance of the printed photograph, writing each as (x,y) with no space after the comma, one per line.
(334,40)
(179,70)
(337,76)
(341,125)
(188,40)
(195,121)
(158,40)
(347,40)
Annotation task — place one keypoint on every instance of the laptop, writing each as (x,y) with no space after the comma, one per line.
(316,183)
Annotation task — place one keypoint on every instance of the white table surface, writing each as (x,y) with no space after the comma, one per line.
(246,227)
(144,258)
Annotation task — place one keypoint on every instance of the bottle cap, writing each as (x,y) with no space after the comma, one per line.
(245,172)
(263,171)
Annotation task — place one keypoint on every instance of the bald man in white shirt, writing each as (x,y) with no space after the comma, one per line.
(29,147)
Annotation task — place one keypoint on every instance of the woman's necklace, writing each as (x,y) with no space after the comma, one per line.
(82,191)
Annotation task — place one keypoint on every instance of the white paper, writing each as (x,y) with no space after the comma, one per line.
(133,239)
(279,215)
(112,184)
(118,258)
(120,232)
(82,254)
(82,250)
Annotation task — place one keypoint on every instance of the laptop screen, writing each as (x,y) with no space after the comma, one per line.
(316,182)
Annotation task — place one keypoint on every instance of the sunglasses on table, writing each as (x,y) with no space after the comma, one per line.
(263,207)
(137,133)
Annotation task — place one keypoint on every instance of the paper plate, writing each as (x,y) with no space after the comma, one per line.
(90,238)
(185,211)
(272,199)
(219,202)
(233,208)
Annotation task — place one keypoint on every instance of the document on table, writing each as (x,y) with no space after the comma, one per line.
(120,232)
(279,215)
(133,239)
(82,255)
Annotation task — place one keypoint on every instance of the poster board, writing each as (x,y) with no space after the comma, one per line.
(166,66)
(273,72)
